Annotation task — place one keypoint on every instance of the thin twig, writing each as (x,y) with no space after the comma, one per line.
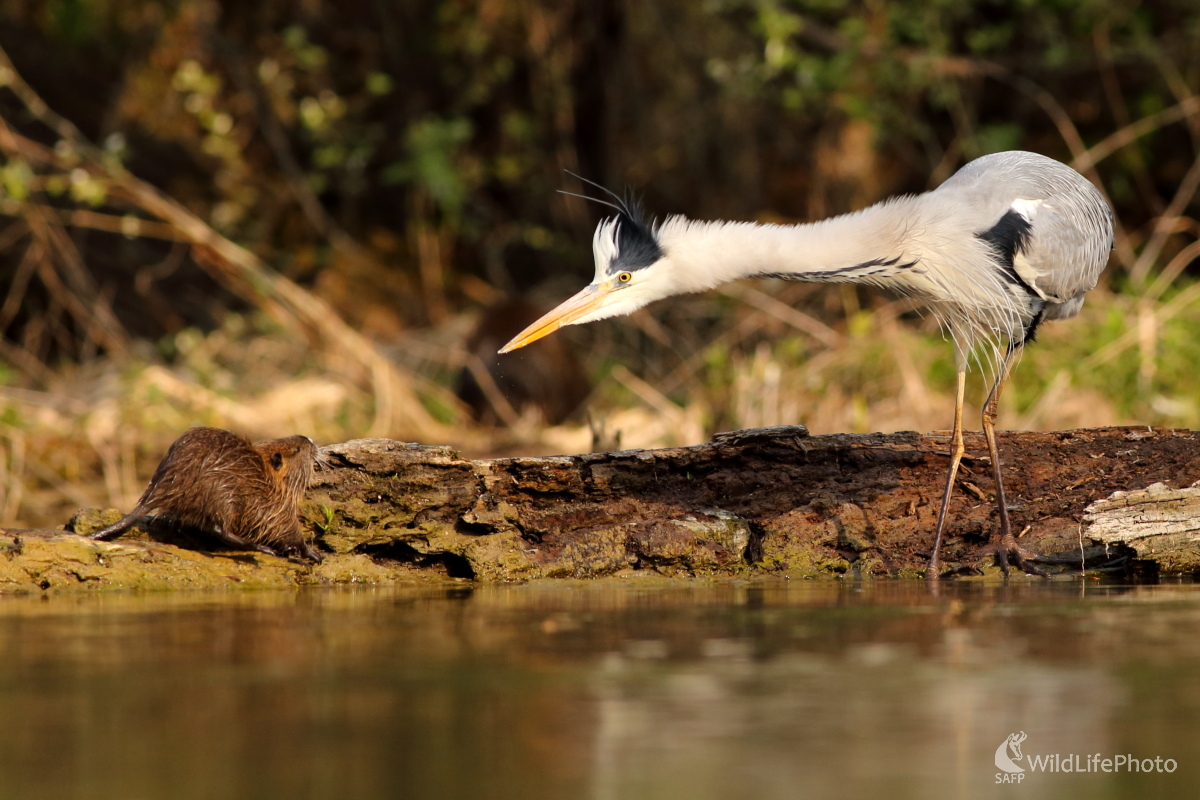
(1165,226)
(1131,133)
(492,392)
(648,394)
(12,484)
(784,313)
(126,225)
(1167,275)
(80,295)
(1131,336)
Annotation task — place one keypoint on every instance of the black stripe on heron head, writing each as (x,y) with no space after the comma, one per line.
(637,248)
(1008,238)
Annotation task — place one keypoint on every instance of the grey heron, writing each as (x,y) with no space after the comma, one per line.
(1008,242)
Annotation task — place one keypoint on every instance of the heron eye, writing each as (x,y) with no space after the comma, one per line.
(625,277)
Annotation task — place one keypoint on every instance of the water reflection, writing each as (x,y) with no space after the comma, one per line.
(618,690)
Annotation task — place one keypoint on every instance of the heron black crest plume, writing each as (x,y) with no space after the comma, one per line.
(628,206)
(1008,242)
(632,238)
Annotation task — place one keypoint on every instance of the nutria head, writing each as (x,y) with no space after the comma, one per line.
(290,461)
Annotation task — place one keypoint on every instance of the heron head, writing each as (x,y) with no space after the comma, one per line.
(631,271)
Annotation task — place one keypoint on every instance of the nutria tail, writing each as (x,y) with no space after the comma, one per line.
(120,526)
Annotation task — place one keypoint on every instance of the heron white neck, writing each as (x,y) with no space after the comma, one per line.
(865,246)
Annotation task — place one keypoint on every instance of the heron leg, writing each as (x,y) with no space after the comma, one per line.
(1008,543)
(956,454)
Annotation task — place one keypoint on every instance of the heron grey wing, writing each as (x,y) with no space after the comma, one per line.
(1069,245)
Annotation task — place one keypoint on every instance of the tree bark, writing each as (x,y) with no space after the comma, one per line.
(758,502)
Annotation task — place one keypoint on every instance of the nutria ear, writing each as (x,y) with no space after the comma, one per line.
(277,460)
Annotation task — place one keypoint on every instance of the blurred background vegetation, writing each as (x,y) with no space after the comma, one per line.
(325,217)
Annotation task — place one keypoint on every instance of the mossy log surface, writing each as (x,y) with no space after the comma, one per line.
(758,503)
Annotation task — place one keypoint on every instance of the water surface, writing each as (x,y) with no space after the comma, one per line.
(611,690)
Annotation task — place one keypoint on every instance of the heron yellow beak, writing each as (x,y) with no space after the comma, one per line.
(567,312)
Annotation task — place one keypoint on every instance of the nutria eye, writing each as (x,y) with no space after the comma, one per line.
(625,277)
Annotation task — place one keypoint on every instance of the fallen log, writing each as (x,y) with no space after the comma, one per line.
(750,502)
(1160,523)
(772,501)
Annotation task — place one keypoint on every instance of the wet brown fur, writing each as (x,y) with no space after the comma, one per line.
(247,495)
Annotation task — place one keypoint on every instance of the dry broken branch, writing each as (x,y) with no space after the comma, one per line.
(398,408)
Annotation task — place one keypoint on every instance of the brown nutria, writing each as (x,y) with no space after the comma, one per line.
(247,495)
